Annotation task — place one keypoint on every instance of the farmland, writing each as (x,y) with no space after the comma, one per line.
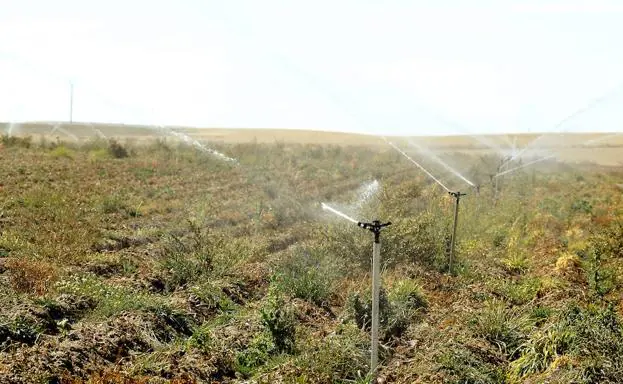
(143,259)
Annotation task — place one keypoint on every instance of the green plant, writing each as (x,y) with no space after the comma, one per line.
(464,365)
(258,352)
(519,292)
(16,141)
(590,337)
(62,152)
(108,299)
(185,260)
(505,328)
(279,320)
(116,150)
(308,274)
(20,330)
(408,294)
(340,357)
(394,316)
(581,206)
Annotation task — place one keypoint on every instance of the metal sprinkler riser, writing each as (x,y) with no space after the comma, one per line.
(375,227)
(457,195)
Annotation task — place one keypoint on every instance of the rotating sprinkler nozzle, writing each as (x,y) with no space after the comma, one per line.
(375,227)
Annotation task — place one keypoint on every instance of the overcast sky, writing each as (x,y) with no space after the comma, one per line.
(393,67)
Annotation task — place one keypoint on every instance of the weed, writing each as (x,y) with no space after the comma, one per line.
(62,152)
(394,316)
(340,357)
(408,294)
(187,260)
(279,320)
(31,276)
(109,299)
(503,327)
(467,366)
(307,274)
(16,141)
(591,337)
(259,351)
(116,150)
(582,206)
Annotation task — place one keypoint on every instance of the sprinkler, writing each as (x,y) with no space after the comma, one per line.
(457,196)
(504,162)
(375,227)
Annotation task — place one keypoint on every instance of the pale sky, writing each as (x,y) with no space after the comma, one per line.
(390,67)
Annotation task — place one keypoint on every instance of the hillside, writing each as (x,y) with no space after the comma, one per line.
(128,263)
(571,147)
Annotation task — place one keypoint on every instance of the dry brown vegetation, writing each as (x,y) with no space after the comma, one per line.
(160,263)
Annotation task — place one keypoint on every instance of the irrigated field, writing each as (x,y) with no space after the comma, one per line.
(153,261)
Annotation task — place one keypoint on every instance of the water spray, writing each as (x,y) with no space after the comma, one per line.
(418,165)
(57,127)
(335,211)
(592,104)
(602,138)
(440,161)
(189,140)
(375,227)
(522,166)
(457,197)
(366,193)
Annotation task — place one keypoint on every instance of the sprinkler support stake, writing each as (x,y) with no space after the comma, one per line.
(375,227)
(457,196)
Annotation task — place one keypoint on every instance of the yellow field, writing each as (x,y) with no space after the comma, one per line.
(572,147)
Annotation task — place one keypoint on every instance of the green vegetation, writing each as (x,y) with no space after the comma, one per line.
(124,263)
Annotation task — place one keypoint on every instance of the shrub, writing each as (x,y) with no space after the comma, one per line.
(116,150)
(15,141)
(31,276)
(259,351)
(415,240)
(465,365)
(394,316)
(502,327)
(582,206)
(279,320)
(307,274)
(62,152)
(342,356)
(408,294)
(187,260)
(591,338)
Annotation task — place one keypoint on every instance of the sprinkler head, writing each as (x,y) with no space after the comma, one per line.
(375,227)
(457,194)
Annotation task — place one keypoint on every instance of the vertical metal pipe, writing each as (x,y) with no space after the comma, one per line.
(376,286)
(495,190)
(454,225)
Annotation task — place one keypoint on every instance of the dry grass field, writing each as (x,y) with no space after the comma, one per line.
(572,147)
(139,258)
